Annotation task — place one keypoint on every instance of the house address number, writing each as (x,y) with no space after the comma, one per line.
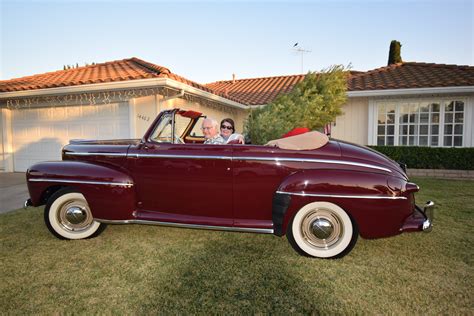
(143,117)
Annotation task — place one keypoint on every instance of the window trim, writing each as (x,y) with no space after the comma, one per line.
(373,113)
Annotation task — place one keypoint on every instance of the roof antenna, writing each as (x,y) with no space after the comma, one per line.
(302,51)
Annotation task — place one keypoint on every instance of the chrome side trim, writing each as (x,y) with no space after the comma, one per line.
(180,156)
(182,225)
(95,154)
(375,197)
(275,159)
(120,184)
(328,161)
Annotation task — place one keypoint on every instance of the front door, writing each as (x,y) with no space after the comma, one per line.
(183,183)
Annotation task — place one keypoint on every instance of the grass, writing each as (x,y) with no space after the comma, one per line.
(150,270)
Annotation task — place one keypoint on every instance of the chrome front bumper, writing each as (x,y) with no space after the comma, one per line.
(420,220)
(428,211)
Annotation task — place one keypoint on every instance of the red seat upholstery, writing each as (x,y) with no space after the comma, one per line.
(296,131)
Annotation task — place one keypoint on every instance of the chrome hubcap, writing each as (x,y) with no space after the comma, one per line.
(75,215)
(322,228)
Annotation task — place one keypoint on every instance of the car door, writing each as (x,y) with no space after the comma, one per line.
(183,183)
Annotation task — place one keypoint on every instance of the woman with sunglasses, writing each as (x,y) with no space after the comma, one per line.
(228,132)
(227,128)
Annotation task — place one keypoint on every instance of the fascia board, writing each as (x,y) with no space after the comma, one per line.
(140,83)
(395,92)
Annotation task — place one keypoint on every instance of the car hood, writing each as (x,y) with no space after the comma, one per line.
(364,154)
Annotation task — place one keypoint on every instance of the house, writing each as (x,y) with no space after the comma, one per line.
(416,104)
(118,99)
(402,104)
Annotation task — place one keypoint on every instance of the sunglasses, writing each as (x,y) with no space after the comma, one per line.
(227,127)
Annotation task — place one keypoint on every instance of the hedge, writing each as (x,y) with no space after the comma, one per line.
(430,157)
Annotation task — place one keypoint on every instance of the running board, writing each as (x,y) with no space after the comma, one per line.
(182,225)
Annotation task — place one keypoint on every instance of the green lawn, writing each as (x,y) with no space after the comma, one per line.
(149,269)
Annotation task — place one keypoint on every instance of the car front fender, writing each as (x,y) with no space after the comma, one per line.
(109,192)
(377,208)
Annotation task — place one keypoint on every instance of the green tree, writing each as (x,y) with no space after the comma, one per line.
(394,55)
(313,103)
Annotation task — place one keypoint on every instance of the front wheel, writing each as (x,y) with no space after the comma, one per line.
(322,230)
(68,216)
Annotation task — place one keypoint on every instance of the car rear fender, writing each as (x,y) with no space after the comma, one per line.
(108,191)
(377,208)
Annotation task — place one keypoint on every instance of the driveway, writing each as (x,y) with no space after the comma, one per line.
(13,191)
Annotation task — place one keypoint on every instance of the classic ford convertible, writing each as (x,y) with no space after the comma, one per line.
(321,198)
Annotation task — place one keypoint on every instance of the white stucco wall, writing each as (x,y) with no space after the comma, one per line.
(352,125)
(144,110)
(220,113)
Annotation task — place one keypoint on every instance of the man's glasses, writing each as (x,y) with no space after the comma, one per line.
(227,127)
(206,128)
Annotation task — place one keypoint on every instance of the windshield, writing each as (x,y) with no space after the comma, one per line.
(163,132)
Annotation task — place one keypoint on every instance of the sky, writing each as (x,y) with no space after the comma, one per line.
(207,41)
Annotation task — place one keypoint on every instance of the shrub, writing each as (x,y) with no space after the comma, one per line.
(313,103)
(430,157)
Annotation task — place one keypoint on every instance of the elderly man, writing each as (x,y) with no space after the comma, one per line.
(210,129)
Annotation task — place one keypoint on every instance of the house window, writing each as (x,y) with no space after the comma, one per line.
(426,123)
(386,125)
(453,123)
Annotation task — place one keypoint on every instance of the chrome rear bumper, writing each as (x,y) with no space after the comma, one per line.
(27,203)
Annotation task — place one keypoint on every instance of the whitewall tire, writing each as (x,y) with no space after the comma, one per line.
(322,230)
(68,216)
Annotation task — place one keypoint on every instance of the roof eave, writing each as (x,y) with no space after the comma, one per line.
(117,85)
(411,91)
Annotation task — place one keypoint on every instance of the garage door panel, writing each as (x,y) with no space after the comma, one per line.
(73,113)
(39,134)
(93,131)
(46,131)
(58,114)
(89,111)
(74,131)
(44,114)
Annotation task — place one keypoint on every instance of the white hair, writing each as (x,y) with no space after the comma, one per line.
(213,122)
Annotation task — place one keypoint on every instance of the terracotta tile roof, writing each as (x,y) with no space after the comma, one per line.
(252,91)
(119,70)
(409,75)
(399,76)
(256,91)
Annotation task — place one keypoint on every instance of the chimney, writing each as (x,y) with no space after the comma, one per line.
(233,78)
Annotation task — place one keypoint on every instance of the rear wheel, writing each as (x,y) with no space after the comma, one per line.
(68,216)
(322,230)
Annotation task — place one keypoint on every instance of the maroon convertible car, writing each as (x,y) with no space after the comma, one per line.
(321,198)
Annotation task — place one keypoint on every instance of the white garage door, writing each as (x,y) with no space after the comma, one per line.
(40,133)
(2,157)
